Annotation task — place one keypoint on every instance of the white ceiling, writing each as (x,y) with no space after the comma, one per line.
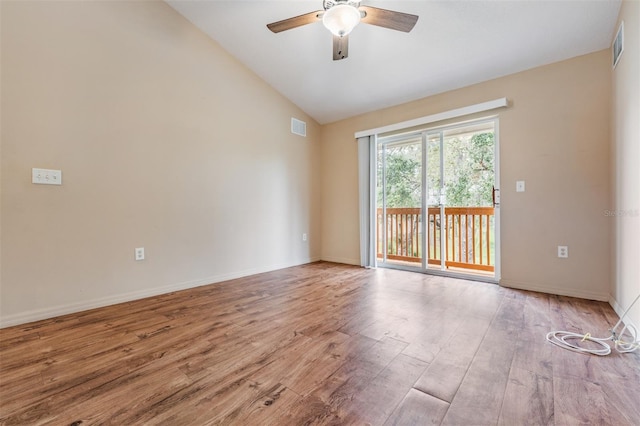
(454,44)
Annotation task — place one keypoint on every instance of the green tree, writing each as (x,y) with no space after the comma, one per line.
(403,175)
(469,170)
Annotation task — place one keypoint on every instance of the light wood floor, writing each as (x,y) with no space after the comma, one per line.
(320,344)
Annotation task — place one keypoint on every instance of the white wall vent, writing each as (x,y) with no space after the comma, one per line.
(298,127)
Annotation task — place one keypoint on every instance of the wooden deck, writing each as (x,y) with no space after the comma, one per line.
(320,344)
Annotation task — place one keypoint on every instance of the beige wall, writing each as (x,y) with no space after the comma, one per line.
(554,135)
(626,166)
(164,141)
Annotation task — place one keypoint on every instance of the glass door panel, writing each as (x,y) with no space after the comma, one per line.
(399,202)
(469,180)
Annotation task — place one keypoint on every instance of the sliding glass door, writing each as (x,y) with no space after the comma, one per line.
(435,200)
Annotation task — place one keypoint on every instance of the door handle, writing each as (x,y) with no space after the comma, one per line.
(495,195)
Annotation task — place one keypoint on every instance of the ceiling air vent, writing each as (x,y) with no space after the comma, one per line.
(298,127)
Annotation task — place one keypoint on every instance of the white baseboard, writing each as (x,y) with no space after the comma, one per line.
(571,292)
(345,260)
(54,311)
(620,311)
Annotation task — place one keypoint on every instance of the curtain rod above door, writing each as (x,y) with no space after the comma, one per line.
(454,113)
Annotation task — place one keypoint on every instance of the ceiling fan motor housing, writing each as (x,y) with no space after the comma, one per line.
(328,4)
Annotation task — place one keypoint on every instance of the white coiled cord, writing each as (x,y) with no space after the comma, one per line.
(568,340)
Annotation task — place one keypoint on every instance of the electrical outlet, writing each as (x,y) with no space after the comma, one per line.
(140,253)
(563,251)
(304,237)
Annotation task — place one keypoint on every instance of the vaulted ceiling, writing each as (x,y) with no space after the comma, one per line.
(455,43)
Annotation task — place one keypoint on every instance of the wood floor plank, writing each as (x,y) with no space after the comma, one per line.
(321,343)
(234,406)
(314,376)
(418,408)
(321,348)
(489,370)
(621,398)
(380,397)
(579,402)
(142,391)
(445,374)
(532,351)
(329,403)
(528,396)
(479,300)
(424,348)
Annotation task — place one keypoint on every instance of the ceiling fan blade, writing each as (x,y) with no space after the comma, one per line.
(388,18)
(298,21)
(340,47)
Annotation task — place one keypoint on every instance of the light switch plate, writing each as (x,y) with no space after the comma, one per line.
(46,177)
(520,186)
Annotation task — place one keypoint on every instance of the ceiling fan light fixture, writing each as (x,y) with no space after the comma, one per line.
(341,19)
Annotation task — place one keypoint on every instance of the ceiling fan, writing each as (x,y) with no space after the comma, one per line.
(341,16)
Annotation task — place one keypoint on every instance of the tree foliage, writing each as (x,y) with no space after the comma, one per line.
(403,175)
(468,172)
